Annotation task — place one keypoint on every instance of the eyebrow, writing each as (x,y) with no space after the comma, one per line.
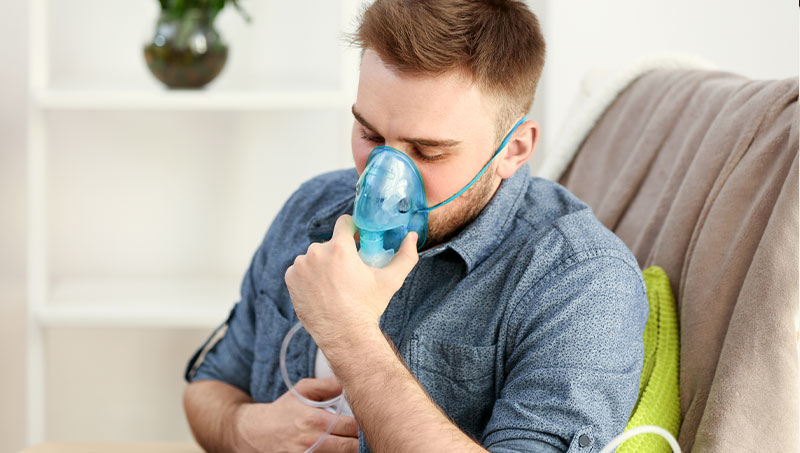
(430,142)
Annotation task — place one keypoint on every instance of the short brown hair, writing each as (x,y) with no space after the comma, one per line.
(497,42)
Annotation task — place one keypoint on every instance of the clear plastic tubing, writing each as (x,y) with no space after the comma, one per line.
(336,402)
(643,429)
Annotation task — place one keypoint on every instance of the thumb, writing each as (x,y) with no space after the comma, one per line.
(319,389)
(405,259)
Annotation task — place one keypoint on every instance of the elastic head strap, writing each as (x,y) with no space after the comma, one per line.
(480,173)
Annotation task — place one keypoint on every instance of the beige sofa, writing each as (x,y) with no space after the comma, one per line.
(697,171)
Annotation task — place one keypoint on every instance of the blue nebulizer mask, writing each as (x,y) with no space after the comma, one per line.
(390,202)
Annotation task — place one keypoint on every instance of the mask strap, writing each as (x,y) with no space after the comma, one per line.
(500,148)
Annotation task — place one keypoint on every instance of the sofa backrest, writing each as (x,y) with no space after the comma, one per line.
(697,171)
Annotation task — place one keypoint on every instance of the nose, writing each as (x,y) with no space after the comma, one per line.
(398,145)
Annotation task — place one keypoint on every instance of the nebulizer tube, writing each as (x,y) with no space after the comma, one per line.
(336,402)
(643,429)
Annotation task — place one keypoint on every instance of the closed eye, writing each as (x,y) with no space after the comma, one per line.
(371,138)
(377,139)
(427,157)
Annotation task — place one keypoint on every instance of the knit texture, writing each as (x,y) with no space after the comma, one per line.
(659,402)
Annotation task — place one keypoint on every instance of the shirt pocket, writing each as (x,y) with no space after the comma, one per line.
(460,379)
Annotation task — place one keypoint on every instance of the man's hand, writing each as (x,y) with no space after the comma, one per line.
(289,425)
(335,294)
(339,300)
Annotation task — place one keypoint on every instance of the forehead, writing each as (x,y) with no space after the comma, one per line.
(421,104)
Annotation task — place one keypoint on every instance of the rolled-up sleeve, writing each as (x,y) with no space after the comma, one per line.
(573,359)
(238,345)
(227,354)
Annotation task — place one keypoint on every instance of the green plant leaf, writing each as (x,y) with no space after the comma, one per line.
(210,8)
(241,10)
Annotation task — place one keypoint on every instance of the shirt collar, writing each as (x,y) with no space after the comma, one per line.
(474,243)
(480,238)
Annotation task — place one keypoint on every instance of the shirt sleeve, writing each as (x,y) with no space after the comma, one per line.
(229,358)
(573,360)
(228,353)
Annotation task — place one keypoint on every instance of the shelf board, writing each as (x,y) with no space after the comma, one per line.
(132,316)
(204,100)
(118,303)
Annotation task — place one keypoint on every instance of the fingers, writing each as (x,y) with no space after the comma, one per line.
(336,444)
(406,257)
(344,229)
(346,426)
(319,389)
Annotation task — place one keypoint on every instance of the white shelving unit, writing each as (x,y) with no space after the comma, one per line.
(163,304)
(166,303)
(190,100)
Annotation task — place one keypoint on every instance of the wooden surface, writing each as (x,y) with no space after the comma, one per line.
(113,447)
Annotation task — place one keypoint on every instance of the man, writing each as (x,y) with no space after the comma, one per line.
(517,327)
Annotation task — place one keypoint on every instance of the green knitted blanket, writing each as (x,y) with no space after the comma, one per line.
(659,402)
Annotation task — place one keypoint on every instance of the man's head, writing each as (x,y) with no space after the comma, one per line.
(444,82)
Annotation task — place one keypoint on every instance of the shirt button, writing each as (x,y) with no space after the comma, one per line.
(584,441)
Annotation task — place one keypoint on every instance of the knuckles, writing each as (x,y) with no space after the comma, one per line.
(314,250)
(300,386)
(351,425)
(339,246)
(319,420)
(306,441)
(314,421)
(288,277)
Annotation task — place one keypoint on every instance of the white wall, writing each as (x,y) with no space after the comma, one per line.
(754,38)
(758,39)
(13,43)
(13,85)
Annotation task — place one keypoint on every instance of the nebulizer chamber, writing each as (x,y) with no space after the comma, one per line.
(390,203)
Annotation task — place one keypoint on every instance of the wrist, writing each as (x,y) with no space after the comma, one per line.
(355,346)
(349,337)
(345,334)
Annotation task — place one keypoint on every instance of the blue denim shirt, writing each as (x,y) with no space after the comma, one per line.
(526,328)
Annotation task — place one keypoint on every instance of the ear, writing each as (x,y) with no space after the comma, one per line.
(519,149)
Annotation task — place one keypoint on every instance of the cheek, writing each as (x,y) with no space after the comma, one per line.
(438,183)
(444,180)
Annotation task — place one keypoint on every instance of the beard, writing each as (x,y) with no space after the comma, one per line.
(447,221)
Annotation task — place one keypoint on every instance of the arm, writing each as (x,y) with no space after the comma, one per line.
(211,408)
(573,359)
(224,418)
(339,300)
(394,411)
(218,402)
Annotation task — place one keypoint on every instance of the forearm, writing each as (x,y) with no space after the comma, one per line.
(393,410)
(211,411)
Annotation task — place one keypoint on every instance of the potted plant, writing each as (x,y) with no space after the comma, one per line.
(186,50)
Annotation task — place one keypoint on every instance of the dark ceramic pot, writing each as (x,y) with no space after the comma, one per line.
(186,52)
